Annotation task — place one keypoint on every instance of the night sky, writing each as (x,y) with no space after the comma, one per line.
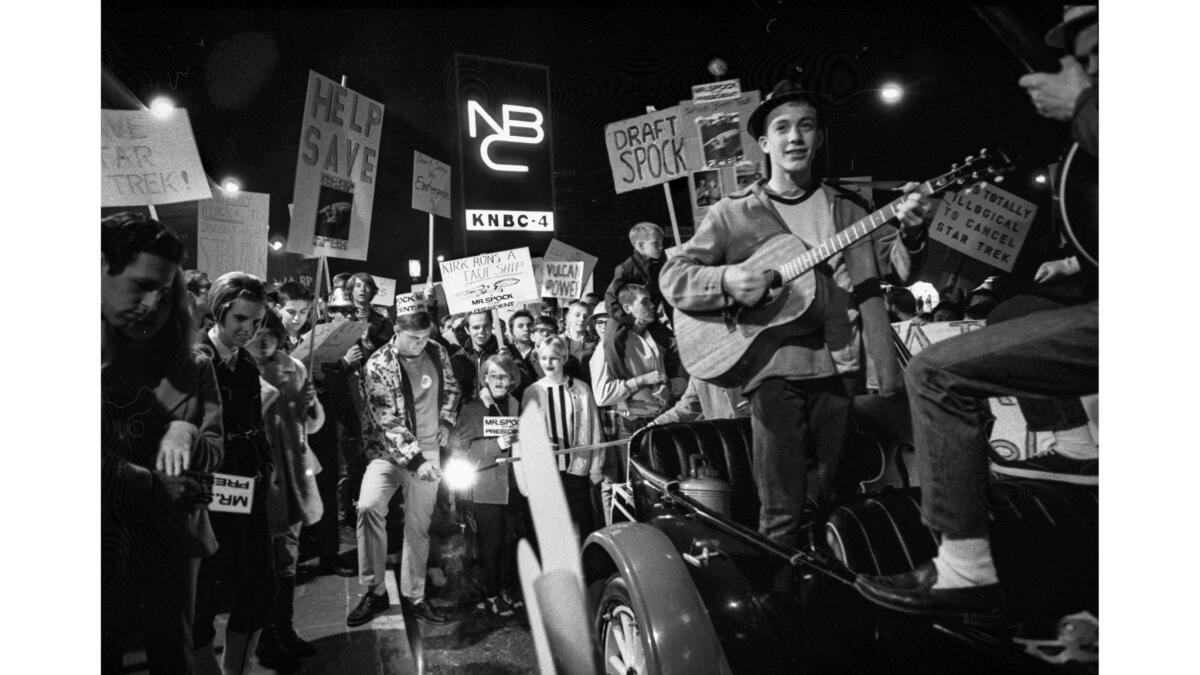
(242,77)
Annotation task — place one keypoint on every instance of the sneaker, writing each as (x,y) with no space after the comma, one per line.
(515,603)
(1051,466)
(496,605)
(368,608)
(427,612)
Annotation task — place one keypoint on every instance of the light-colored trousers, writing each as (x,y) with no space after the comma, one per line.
(380,482)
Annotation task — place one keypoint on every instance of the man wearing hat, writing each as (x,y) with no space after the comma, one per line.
(410,406)
(800,400)
(1039,352)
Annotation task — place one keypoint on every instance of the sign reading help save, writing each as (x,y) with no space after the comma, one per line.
(146,159)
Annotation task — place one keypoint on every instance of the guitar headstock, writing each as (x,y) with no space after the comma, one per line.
(973,170)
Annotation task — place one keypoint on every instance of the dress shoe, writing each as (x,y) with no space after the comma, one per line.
(913,592)
(271,653)
(368,608)
(427,612)
(294,643)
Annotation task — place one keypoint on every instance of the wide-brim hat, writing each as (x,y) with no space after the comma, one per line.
(783,92)
(1074,18)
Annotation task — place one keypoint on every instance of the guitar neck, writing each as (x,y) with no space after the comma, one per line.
(835,244)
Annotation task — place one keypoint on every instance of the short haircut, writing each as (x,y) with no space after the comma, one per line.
(545,320)
(555,343)
(231,287)
(630,292)
(294,290)
(902,299)
(415,321)
(580,303)
(644,231)
(340,277)
(368,281)
(274,325)
(506,363)
(124,235)
(484,312)
(520,314)
(195,280)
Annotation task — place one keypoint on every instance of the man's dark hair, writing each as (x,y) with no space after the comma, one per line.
(902,299)
(196,280)
(294,290)
(124,235)
(483,312)
(415,321)
(274,325)
(545,320)
(520,314)
(273,295)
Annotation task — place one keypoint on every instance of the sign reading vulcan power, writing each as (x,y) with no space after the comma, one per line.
(507,176)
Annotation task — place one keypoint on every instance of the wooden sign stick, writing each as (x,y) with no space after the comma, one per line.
(670,203)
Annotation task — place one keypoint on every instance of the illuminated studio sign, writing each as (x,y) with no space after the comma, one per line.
(504,148)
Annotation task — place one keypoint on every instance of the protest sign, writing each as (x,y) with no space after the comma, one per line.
(332,341)
(499,426)
(431,185)
(646,150)
(1011,438)
(336,168)
(716,91)
(489,280)
(717,131)
(567,253)
(230,494)
(231,233)
(410,303)
(149,159)
(562,279)
(986,223)
(386,293)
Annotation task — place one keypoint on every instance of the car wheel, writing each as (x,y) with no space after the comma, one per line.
(619,632)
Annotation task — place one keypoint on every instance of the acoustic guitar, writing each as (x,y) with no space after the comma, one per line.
(726,347)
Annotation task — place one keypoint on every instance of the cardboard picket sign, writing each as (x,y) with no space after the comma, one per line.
(231,233)
(489,280)
(431,185)
(410,303)
(557,250)
(986,223)
(717,132)
(230,494)
(336,169)
(562,279)
(500,426)
(647,150)
(386,293)
(150,159)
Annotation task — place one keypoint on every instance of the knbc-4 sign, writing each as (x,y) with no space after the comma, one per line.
(505,149)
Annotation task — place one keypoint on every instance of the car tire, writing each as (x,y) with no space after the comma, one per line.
(622,636)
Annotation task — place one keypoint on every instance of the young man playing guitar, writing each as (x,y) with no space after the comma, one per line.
(797,376)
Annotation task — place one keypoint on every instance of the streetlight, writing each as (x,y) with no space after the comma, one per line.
(230,186)
(890,93)
(162,107)
(277,243)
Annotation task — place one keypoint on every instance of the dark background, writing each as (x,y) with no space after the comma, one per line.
(242,76)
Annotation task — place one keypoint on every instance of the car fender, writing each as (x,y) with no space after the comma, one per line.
(683,639)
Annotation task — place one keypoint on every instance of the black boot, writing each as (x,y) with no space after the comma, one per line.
(272,654)
(283,611)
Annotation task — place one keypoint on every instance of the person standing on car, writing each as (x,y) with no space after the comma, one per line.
(799,400)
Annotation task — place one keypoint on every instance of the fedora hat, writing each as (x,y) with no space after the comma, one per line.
(783,92)
(1074,18)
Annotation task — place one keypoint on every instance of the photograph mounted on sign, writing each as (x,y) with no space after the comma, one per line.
(231,233)
(747,173)
(505,149)
(336,167)
(146,159)
(717,132)
(706,188)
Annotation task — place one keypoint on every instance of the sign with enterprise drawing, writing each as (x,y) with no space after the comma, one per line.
(505,146)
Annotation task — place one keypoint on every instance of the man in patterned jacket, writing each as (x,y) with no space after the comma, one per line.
(410,405)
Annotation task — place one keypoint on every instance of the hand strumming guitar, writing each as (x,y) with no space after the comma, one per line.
(745,286)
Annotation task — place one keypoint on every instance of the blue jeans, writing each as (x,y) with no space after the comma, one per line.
(1049,354)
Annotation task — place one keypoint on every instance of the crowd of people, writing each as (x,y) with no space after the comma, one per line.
(197,379)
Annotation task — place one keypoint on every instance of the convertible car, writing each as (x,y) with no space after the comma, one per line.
(685,584)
